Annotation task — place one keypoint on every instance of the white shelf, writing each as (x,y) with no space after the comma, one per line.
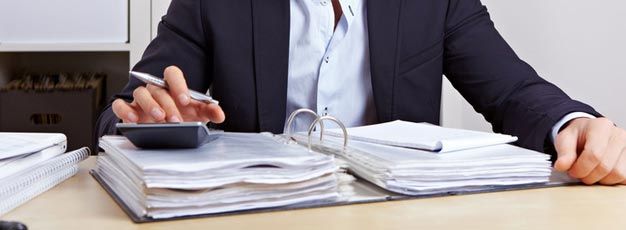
(64,47)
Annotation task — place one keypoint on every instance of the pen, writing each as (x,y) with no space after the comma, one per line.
(10,225)
(152,80)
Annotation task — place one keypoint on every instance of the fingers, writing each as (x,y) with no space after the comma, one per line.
(596,136)
(177,84)
(163,98)
(213,112)
(125,111)
(609,161)
(618,174)
(174,104)
(148,104)
(566,145)
(603,156)
(216,114)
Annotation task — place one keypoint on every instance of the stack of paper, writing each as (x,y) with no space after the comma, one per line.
(31,164)
(374,155)
(235,172)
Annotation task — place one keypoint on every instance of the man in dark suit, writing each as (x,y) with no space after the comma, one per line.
(368,61)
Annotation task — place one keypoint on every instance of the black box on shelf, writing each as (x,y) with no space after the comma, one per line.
(70,112)
(45,104)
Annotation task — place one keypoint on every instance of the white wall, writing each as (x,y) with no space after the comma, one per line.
(159,8)
(579,45)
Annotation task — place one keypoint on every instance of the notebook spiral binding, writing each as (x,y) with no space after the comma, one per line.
(12,202)
(39,180)
(288,131)
(49,167)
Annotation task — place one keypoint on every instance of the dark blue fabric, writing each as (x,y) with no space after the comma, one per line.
(240,49)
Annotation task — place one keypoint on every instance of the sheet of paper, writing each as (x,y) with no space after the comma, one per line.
(423,136)
(399,157)
(230,150)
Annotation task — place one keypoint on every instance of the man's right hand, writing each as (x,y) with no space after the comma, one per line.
(152,104)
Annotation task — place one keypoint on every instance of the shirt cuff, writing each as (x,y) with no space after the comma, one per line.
(567,118)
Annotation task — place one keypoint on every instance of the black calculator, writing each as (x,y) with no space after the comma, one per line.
(167,135)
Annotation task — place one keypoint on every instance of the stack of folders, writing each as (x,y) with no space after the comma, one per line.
(235,172)
(422,159)
(32,163)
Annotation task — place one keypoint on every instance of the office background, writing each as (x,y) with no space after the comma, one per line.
(576,44)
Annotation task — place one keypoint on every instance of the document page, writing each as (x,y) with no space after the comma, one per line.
(423,136)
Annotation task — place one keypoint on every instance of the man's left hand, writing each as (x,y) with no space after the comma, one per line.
(593,150)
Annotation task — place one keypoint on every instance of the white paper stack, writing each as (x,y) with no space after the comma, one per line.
(235,172)
(374,155)
(32,163)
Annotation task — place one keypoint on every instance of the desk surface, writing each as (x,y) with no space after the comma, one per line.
(81,203)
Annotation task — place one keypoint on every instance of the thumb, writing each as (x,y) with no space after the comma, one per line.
(566,145)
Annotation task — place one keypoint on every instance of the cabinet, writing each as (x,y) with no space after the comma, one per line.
(66,21)
(114,59)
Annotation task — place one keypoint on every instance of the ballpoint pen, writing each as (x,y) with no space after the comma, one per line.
(152,80)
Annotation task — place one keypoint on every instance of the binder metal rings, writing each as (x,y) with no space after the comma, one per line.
(320,121)
(288,130)
(289,133)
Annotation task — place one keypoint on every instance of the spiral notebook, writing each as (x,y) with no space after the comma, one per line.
(23,185)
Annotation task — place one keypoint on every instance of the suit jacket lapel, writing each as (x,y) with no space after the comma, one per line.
(271,20)
(383,25)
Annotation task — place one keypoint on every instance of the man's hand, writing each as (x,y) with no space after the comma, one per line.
(153,104)
(593,150)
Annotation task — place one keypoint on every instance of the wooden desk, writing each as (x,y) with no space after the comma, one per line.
(80,203)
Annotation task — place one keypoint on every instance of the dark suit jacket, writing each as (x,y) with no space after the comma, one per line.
(240,49)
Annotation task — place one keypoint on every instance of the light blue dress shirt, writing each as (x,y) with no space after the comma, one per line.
(329,67)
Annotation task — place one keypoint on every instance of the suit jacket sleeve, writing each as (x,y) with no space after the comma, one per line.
(181,41)
(503,88)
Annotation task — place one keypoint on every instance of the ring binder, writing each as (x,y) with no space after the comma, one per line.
(288,130)
(320,121)
(241,178)
(383,173)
